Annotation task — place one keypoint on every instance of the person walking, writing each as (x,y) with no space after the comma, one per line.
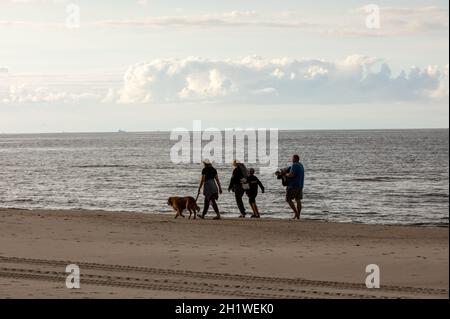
(211,188)
(295,175)
(252,193)
(238,185)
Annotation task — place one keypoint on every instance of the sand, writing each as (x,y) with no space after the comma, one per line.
(132,255)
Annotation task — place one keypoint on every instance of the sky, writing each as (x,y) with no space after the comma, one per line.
(145,65)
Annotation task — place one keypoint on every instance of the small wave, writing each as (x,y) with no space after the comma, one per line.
(416,195)
(103,166)
(20,200)
(440,195)
(377,179)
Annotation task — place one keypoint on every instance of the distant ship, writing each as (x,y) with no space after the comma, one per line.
(121,131)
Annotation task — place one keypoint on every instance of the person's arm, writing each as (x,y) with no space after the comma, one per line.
(218,184)
(231,187)
(261,186)
(291,173)
(202,182)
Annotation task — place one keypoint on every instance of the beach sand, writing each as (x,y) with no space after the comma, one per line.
(133,255)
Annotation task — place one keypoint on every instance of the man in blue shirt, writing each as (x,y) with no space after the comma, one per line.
(295,182)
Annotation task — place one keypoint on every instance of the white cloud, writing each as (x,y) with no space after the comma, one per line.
(23,88)
(22,94)
(394,21)
(204,85)
(442,91)
(31,24)
(37,1)
(355,79)
(142,2)
(410,20)
(252,80)
(265,91)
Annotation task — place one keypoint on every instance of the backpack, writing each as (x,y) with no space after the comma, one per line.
(246,174)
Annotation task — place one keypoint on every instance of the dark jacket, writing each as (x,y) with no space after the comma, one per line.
(236,178)
(254,183)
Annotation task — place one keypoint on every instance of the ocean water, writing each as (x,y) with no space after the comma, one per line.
(374,177)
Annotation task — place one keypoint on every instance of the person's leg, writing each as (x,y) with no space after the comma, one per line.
(299,208)
(205,207)
(252,205)
(256,206)
(294,209)
(298,199)
(239,193)
(255,210)
(290,201)
(216,208)
(252,202)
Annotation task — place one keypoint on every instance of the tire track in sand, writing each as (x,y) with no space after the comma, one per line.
(210,284)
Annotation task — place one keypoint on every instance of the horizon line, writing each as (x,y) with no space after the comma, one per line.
(280,130)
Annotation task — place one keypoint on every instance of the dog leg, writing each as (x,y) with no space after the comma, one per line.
(196,210)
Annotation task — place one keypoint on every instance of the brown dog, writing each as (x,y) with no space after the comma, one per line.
(179,204)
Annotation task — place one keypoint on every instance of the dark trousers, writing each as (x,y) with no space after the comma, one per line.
(210,200)
(239,193)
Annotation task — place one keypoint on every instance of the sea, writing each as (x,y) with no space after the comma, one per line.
(391,177)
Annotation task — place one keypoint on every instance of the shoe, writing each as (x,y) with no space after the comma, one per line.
(242,216)
(217,218)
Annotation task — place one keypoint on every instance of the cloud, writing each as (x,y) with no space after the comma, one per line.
(442,91)
(36,1)
(394,21)
(142,2)
(226,19)
(410,20)
(63,88)
(22,94)
(355,79)
(31,24)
